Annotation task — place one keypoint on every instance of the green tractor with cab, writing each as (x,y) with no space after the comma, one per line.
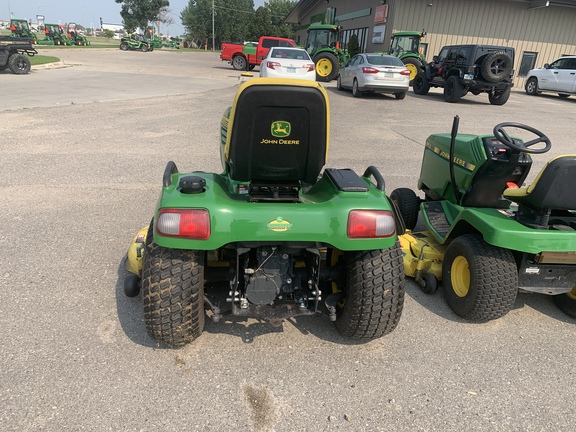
(56,34)
(270,236)
(488,236)
(406,46)
(324,46)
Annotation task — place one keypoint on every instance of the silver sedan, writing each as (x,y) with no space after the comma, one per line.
(377,73)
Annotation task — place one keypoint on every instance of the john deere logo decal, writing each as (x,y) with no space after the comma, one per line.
(280,129)
(279,225)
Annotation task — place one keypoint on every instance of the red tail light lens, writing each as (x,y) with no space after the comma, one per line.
(371,224)
(369,70)
(184,223)
(272,65)
(310,67)
(405,72)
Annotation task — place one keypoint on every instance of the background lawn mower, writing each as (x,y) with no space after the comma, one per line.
(271,232)
(488,236)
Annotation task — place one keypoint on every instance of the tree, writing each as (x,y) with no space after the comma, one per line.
(138,13)
(231,19)
(353,46)
(260,25)
(107,33)
(279,10)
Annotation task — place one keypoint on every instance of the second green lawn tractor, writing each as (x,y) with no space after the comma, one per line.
(272,236)
(487,234)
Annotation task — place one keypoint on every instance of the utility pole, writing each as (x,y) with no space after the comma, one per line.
(213,13)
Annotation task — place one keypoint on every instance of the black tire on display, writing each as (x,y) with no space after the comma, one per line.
(567,302)
(144,47)
(172,294)
(239,63)
(409,205)
(124,46)
(19,64)
(500,98)
(496,66)
(327,67)
(531,86)
(453,89)
(400,95)
(480,281)
(374,293)
(355,91)
(421,85)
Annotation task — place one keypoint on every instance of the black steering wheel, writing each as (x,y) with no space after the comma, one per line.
(502,136)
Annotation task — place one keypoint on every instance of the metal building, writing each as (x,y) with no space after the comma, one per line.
(540,31)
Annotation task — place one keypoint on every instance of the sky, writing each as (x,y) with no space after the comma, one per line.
(85,12)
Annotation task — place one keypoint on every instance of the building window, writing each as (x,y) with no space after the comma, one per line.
(528,62)
(362,34)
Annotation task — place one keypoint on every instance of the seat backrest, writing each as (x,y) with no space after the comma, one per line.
(553,188)
(278,131)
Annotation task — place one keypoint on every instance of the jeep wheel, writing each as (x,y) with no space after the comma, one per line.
(172,294)
(567,302)
(239,63)
(480,280)
(374,293)
(355,91)
(413,65)
(499,98)
(453,89)
(496,66)
(19,64)
(531,86)
(327,66)
(124,46)
(400,95)
(421,85)
(408,204)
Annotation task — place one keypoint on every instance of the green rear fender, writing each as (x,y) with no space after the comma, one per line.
(320,217)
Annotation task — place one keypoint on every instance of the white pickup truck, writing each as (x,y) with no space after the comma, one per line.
(558,77)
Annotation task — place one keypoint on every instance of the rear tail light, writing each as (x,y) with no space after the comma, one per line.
(405,72)
(184,223)
(370,224)
(272,65)
(369,70)
(310,67)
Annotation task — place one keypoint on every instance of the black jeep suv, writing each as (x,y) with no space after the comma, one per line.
(460,69)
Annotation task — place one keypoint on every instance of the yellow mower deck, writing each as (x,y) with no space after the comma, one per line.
(423,256)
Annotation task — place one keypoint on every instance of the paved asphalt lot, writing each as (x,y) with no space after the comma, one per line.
(83,151)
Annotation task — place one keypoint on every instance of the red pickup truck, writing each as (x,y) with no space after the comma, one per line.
(251,54)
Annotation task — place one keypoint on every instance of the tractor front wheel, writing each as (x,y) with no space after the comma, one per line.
(172,294)
(413,65)
(373,295)
(408,204)
(327,66)
(19,64)
(567,302)
(480,280)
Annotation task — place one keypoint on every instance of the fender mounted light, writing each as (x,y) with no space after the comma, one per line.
(184,223)
(370,224)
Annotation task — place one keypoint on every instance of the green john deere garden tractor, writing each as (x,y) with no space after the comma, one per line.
(75,36)
(270,236)
(56,34)
(324,46)
(487,235)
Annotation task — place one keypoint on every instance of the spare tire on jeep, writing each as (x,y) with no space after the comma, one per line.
(496,66)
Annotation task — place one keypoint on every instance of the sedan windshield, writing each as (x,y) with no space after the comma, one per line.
(381,60)
(295,54)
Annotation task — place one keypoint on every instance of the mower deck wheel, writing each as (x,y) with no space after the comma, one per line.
(172,294)
(567,302)
(374,293)
(480,280)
